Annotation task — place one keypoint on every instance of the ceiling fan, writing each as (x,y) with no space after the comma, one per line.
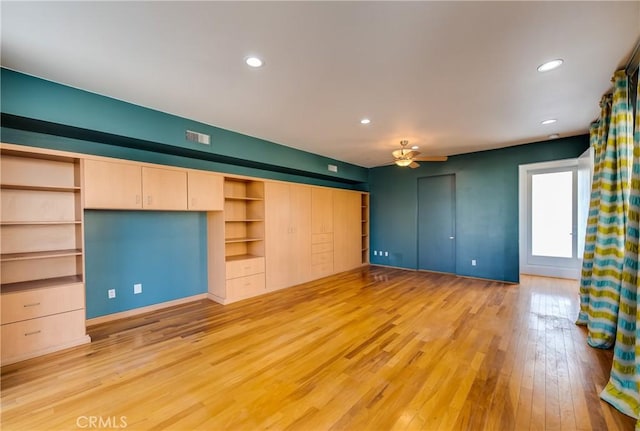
(408,157)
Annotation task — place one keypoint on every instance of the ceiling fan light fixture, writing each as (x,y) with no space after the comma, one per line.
(550,65)
(403,162)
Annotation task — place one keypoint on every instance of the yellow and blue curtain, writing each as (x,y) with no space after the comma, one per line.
(622,389)
(609,283)
(604,252)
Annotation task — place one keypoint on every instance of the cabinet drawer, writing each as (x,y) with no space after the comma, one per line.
(244,267)
(321,248)
(322,258)
(23,338)
(29,304)
(319,238)
(322,270)
(244,287)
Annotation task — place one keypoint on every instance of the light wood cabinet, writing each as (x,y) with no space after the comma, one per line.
(322,210)
(117,185)
(347,230)
(322,232)
(41,261)
(112,185)
(205,191)
(288,234)
(164,189)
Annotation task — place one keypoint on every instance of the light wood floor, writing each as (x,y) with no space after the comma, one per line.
(371,349)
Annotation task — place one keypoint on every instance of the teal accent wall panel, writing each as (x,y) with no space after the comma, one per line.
(486,207)
(165,251)
(33,98)
(42,140)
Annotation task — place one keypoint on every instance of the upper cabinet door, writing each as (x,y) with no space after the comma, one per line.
(205,191)
(164,189)
(321,210)
(112,185)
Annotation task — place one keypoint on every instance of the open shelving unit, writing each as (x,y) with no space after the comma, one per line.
(243,218)
(365,227)
(41,220)
(41,256)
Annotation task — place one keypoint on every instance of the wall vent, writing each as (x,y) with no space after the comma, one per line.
(199,138)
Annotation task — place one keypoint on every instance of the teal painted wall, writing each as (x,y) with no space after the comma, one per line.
(43,106)
(165,251)
(486,207)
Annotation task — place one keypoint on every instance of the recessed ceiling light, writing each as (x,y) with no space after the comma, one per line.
(554,136)
(415,147)
(550,65)
(549,121)
(365,121)
(254,62)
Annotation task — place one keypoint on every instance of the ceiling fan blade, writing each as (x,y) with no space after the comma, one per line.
(405,154)
(432,158)
(414,165)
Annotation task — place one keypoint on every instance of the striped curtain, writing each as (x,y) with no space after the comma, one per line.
(622,389)
(604,252)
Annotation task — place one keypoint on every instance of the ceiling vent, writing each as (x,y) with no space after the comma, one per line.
(199,138)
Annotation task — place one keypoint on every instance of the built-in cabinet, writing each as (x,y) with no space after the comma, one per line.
(244,239)
(204,191)
(261,235)
(164,189)
(41,261)
(321,232)
(347,230)
(127,185)
(288,229)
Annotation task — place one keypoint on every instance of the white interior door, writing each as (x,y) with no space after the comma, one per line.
(549,219)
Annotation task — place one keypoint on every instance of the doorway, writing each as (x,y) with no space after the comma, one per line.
(436,223)
(549,219)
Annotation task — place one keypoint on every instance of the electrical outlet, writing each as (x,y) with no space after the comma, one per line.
(137,288)
(473,262)
(111,293)
(386,254)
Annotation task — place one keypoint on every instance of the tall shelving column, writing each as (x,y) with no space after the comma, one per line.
(365,227)
(41,260)
(244,238)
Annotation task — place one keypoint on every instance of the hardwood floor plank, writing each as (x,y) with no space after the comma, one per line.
(370,349)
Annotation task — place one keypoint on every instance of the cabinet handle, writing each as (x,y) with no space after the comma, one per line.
(35,304)
(26,334)
(149,200)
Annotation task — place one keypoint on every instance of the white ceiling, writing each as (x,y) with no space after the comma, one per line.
(451,77)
